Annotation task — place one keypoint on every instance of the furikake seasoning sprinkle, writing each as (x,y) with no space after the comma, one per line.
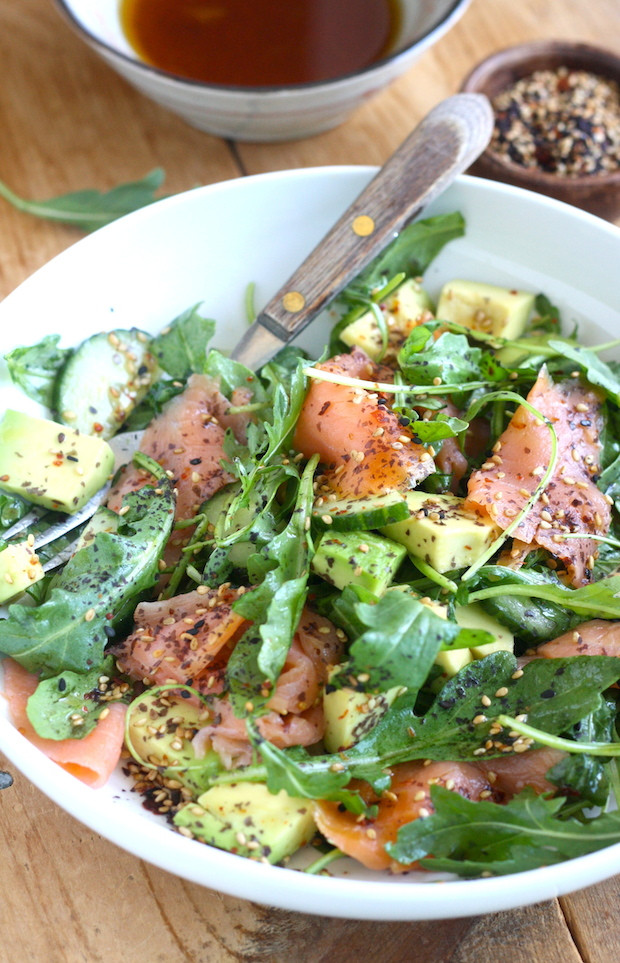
(560,121)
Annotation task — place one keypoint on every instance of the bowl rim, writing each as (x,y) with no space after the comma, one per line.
(453,13)
(518,55)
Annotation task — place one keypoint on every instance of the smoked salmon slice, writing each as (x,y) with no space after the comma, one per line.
(407,799)
(91,759)
(295,715)
(571,502)
(512,773)
(363,447)
(185,639)
(596,637)
(187,440)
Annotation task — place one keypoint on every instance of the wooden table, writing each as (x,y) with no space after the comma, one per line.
(67,895)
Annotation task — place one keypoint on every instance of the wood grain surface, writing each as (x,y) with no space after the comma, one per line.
(66,895)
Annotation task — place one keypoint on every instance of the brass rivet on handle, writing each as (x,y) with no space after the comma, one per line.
(293,301)
(363,225)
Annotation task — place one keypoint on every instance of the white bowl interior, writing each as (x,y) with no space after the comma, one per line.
(206,246)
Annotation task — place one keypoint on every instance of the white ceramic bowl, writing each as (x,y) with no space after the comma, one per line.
(207,245)
(271,113)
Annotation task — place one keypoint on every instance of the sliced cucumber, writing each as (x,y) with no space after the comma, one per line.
(103,380)
(359,514)
(216,509)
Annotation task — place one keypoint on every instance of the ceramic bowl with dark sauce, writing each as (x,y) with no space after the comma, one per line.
(243,94)
(557,122)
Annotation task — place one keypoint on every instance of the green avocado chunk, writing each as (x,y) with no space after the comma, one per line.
(486,307)
(19,569)
(245,818)
(358,558)
(349,714)
(160,727)
(49,464)
(402,310)
(442,532)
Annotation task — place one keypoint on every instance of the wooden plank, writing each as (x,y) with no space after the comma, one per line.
(594,921)
(69,122)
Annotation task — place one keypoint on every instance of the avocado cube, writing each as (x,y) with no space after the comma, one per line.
(358,558)
(486,307)
(245,818)
(160,729)
(49,464)
(19,569)
(442,532)
(451,661)
(474,617)
(349,715)
(402,310)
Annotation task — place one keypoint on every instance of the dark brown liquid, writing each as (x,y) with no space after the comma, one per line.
(258,43)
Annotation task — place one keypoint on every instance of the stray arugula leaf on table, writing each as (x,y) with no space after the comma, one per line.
(90,209)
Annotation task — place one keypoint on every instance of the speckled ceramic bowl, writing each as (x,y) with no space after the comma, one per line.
(598,193)
(268,113)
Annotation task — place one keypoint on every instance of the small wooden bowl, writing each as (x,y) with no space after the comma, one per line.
(598,193)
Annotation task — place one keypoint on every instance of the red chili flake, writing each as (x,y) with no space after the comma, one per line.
(97,426)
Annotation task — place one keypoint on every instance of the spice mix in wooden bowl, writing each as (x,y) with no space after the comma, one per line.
(557,122)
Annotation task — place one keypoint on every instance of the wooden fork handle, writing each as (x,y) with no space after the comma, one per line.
(442,146)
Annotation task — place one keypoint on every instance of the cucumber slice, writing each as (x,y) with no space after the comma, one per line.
(103,380)
(359,514)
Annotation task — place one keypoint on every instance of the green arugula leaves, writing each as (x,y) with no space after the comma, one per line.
(484,838)
(96,591)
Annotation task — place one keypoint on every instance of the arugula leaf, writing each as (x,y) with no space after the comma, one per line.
(95,592)
(548,315)
(12,508)
(598,600)
(295,781)
(274,606)
(400,641)
(90,209)
(34,368)
(530,618)
(450,357)
(469,838)
(181,348)
(596,371)
(57,700)
(583,774)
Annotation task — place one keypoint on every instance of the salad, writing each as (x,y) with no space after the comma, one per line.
(367,601)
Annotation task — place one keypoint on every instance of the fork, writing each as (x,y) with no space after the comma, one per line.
(124,445)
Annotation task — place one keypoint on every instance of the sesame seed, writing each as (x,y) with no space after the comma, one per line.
(503,691)
(485,700)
